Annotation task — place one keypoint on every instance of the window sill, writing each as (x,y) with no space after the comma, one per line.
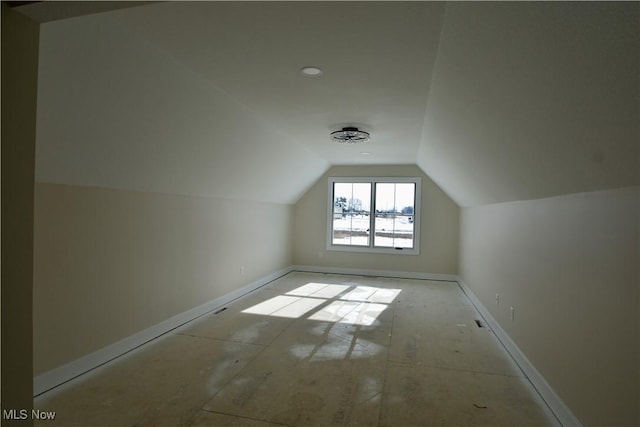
(369,250)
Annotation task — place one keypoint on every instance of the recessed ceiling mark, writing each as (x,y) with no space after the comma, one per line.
(311,71)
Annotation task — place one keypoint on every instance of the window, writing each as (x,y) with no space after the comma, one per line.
(388,206)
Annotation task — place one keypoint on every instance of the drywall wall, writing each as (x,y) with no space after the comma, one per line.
(110,263)
(439,227)
(19,93)
(568,265)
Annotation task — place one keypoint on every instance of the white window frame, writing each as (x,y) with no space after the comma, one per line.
(371,248)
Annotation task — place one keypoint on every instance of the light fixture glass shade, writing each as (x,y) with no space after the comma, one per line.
(350,135)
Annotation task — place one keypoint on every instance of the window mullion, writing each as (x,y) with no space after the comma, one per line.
(372,215)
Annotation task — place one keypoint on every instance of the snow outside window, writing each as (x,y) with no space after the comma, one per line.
(374,214)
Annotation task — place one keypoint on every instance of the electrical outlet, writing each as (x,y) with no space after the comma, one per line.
(513,313)
(242,271)
(320,254)
(497,299)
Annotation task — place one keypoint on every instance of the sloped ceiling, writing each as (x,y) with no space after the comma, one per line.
(494,101)
(532,100)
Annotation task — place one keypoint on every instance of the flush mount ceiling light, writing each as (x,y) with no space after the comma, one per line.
(311,71)
(350,135)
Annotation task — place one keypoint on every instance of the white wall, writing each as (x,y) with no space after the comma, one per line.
(439,228)
(110,263)
(153,188)
(569,267)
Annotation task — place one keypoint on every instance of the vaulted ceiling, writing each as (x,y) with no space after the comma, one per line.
(494,101)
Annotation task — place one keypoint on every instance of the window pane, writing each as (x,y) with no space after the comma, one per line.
(394,215)
(351,206)
(385,208)
(405,198)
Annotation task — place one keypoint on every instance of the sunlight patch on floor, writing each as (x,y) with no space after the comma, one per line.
(356,305)
(285,306)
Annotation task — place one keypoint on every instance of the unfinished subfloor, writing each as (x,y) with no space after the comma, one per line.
(314,349)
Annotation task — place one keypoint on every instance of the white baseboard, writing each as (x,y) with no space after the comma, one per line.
(84,364)
(379,273)
(62,374)
(557,406)
(71,370)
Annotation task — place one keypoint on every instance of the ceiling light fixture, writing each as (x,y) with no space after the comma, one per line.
(350,135)
(311,71)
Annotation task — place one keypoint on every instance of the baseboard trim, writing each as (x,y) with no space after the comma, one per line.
(65,373)
(556,405)
(378,273)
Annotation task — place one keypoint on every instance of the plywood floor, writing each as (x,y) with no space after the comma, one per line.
(314,350)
